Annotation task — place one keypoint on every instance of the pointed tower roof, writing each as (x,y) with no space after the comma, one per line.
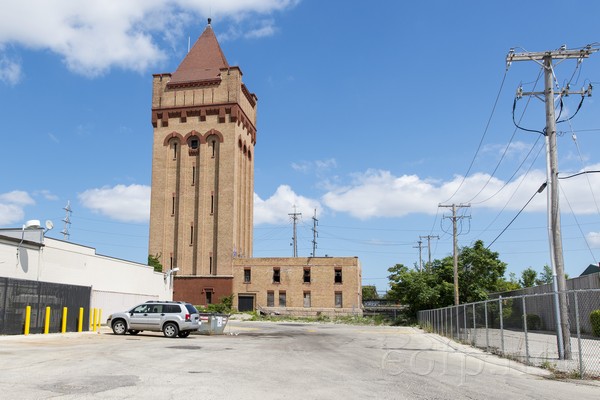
(202,63)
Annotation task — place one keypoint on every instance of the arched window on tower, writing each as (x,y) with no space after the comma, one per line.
(174,149)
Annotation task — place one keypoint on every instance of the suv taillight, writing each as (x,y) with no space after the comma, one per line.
(187,317)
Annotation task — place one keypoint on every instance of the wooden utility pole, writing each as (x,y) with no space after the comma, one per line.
(559,284)
(455,218)
(420,247)
(428,237)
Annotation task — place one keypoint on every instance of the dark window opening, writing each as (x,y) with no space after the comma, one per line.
(307,275)
(174,147)
(276,275)
(213,145)
(338,275)
(194,143)
(191,235)
(247,275)
(173,206)
(338,299)
(210,265)
(193,175)
(208,297)
(212,203)
(270,299)
(282,298)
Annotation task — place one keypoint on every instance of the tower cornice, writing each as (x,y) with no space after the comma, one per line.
(236,114)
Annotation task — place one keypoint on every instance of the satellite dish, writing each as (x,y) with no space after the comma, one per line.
(49,225)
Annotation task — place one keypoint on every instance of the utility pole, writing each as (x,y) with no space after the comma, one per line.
(429,237)
(545,59)
(420,247)
(455,218)
(315,234)
(295,216)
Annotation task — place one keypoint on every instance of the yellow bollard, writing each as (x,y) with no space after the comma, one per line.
(99,318)
(94,320)
(27,319)
(80,322)
(91,318)
(47,322)
(64,320)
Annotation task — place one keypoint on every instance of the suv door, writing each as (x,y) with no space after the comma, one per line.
(138,317)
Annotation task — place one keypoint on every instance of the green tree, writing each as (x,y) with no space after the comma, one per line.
(369,292)
(508,285)
(418,290)
(545,276)
(480,270)
(154,262)
(528,277)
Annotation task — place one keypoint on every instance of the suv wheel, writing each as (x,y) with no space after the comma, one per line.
(184,334)
(119,327)
(170,330)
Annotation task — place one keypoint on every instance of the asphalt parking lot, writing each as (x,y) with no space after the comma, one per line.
(266,360)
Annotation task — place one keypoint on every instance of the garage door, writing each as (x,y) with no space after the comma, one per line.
(245,303)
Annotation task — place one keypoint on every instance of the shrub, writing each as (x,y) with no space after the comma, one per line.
(595,320)
(534,322)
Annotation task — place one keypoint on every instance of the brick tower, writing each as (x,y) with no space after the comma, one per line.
(204,121)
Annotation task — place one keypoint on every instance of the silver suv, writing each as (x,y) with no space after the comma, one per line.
(173,318)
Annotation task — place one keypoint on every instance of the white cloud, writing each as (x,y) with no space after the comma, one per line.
(122,203)
(319,166)
(378,193)
(276,208)
(93,36)
(12,205)
(10,70)
(593,239)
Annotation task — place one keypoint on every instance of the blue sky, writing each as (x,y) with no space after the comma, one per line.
(373,113)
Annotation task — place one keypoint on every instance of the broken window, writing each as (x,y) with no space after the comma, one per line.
(307,299)
(338,299)
(338,275)
(306,275)
(276,275)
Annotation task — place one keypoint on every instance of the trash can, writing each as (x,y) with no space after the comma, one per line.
(212,323)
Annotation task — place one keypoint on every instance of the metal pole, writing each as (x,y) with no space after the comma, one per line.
(487,335)
(581,371)
(525,329)
(501,326)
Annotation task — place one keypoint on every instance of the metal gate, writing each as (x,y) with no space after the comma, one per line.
(17,294)
(245,303)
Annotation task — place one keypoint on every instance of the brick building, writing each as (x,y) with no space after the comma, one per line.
(201,212)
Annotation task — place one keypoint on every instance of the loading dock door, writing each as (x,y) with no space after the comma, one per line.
(245,303)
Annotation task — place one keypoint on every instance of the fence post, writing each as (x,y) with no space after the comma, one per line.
(457,325)
(47,321)
(525,329)
(451,323)
(27,320)
(501,326)
(465,321)
(474,340)
(581,372)
(487,335)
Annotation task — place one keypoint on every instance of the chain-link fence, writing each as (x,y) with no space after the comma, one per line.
(525,328)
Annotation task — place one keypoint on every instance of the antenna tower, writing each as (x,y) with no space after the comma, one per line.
(67,220)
